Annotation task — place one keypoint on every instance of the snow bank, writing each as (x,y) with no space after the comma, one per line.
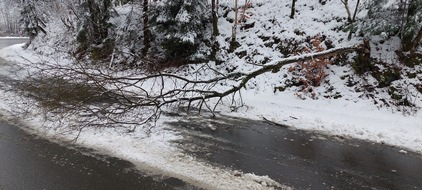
(360,120)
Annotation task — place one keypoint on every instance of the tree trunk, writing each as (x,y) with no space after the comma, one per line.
(235,21)
(92,24)
(346,6)
(403,7)
(292,13)
(215,31)
(233,43)
(356,10)
(417,40)
(147,32)
(408,30)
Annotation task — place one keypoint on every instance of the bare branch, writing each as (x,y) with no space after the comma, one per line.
(113,97)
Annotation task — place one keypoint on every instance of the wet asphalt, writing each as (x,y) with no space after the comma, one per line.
(30,163)
(303,160)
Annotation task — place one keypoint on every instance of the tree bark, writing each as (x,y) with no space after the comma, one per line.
(356,10)
(407,40)
(147,32)
(346,6)
(215,31)
(293,10)
(236,10)
(417,40)
(233,43)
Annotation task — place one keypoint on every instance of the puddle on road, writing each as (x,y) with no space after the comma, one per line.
(296,158)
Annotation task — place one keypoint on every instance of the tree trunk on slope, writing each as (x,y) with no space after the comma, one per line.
(416,41)
(346,6)
(407,40)
(215,31)
(356,10)
(292,13)
(234,44)
(147,32)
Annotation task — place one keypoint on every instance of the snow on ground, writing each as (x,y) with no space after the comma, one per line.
(349,116)
(16,53)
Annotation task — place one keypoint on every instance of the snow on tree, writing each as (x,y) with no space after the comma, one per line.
(9,17)
(392,17)
(33,19)
(182,24)
(413,26)
(93,35)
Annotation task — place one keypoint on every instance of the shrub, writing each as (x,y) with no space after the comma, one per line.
(310,73)
(177,48)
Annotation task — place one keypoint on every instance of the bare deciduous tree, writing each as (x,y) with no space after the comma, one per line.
(351,18)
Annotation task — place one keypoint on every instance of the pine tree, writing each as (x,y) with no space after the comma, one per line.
(381,18)
(182,24)
(93,36)
(412,26)
(401,18)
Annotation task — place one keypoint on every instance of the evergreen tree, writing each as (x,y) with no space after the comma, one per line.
(146,29)
(401,18)
(381,18)
(412,25)
(93,36)
(182,23)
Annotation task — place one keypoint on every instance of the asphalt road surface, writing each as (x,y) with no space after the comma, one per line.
(31,163)
(299,159)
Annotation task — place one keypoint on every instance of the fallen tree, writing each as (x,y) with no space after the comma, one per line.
(133,99)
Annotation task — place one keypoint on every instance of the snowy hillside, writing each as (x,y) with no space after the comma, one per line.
(347,104)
